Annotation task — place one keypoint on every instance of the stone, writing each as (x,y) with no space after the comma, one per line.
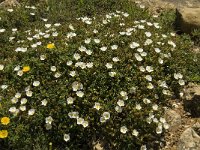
(187,19)
(9,3)
(192,99)
(190,139)
(173,119)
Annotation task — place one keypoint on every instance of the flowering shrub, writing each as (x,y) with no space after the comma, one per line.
(102,78)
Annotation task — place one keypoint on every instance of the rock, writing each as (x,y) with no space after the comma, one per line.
(173,119)
(190,139)
(188,19)
(192,100)
(9,3)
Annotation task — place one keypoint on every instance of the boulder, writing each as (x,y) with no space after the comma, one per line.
(190,138)
(9,3)
(187,19)
(173,119)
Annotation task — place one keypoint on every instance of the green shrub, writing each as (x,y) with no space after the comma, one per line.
(116,71)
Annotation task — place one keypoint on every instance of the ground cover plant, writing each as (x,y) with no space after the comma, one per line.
(67,82)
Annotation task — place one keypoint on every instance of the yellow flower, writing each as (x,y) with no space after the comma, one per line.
(3,134)
(5,120)
(26,69)
(50,46)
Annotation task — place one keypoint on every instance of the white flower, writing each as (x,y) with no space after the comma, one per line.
(120,103)
(43,57)
(102,119)
(23,101)
(29,93)
(1,67)
(18,95)
(69,63)
(89,65)
(148,34)
(138,57)
(77,86)
(85,124)
(112,74)
(134,45)
(140,27)
(148,42)
(10,10)
(142,69)
(17,68)
(55,34)
(178,76)
(53,68)
(123,93)
(77,56)
(71,27)
(150,86)
(73,115)
(149,68)
(66,137)
(172,43)
(95,31)
(82,49)
(148,77)
(155,107)
(89,52)
(31,112)
(109,65)
(159,130)
(118,109)
(80,120)
(14,100)
(48,126)
(36,83)
(166,126)
(96,41)
(12,109)
(138,107)
(79,93)
(106,115)
(160,60)
(87,41)
(57,24)
(146,100)
(114,47)
(97,106)
(20,73)
(70,100)
(140,50)
(22,108)
(104,48)
(135,132)
(47,25)
(143,147)
(2,30)
(48,120)
(123,129)
(3,87)
(143,54)
(44,102)
(57,75)
(181,82)
(157,50)
(115,59)
(72,73)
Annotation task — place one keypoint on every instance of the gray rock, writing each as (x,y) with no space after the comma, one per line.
(189,140)
(173,119)
(188,19)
